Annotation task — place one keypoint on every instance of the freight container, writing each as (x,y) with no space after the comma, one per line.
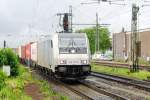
(22,52)
(34,52)
(19,51)
(28,52)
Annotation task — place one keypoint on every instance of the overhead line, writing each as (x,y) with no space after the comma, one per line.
(92,24)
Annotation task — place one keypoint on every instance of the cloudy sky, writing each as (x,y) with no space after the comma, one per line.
(24,20)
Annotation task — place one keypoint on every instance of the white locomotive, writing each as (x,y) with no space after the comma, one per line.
(67,55)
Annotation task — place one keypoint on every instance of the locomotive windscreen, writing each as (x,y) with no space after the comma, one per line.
(72,44)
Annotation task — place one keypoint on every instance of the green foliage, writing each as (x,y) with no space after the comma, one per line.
(142,75)
(46,89)
(2,79)
(9,93)
(104,42)
(14,86)
(8,57)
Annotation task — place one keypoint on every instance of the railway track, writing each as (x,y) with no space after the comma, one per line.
(144,85)
(105,92)
(56,82)
(88,93)
(120,65)
(75,90)
(85,90)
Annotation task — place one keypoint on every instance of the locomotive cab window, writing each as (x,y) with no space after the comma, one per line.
(75,45)
(51,44)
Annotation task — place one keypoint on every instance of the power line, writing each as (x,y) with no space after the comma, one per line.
(111,2)
(97,26)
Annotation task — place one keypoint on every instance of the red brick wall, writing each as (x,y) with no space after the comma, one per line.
(145,44)
(120,45)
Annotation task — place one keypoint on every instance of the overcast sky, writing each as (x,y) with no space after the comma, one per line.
(24,20)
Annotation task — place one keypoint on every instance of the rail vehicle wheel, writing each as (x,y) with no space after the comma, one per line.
(34,66)
(52,74)
(43,70)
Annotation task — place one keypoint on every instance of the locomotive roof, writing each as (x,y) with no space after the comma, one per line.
(72,35)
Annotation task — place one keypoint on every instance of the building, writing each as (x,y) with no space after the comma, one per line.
(121,45)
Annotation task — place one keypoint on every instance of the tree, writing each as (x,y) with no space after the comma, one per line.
(104,40)
(8,57)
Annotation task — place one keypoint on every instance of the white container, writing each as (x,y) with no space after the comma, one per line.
(19,51)
(34,52)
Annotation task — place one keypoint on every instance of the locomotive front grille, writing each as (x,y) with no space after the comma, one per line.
(73,70)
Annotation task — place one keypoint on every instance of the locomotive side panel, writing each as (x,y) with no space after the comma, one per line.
(45,54)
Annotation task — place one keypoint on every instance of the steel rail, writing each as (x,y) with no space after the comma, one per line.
(53,79)
(105,92)
(80,93)
(144,85)
(83,95)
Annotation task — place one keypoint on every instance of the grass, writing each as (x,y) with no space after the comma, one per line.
(14,87)
(141,75)
(142,61)
(49,94)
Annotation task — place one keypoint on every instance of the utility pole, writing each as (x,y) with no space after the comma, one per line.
(97,35)
(70,11)
(67,20)
(97,40)
(4,44)
(134,53)
(68,24)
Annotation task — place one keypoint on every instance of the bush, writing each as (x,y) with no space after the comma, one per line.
(2,79)
(8,93)
(8,57)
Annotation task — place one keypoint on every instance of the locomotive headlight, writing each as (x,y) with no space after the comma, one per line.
(84,61)
(62,69)
(73,51)
(62,61)
(85,68)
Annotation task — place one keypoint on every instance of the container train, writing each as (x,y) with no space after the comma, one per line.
(63,55)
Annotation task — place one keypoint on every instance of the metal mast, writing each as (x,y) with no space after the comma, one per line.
(4,44)
(97,35)
(67,21)
(134,56)
(70,11)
